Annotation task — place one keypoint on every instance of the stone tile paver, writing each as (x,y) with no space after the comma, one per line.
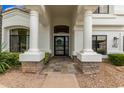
(60,64)
(60,80)
(60,73)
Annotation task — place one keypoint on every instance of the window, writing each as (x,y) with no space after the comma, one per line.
(19,40)
(61,29)
(102,9)
(99,44)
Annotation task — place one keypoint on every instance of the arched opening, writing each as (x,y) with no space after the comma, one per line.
(19,40)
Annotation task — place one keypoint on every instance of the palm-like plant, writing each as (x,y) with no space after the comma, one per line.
(3,67)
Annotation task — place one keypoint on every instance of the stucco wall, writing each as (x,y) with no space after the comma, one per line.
(118,9)
(110,32)
(44,38)
(10,20)
(78,41)
(20,19)
(110,35)
(15,18)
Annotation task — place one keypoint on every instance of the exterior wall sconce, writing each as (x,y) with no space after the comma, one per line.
(115,42)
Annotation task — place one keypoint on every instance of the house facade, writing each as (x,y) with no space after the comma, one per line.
(87,33)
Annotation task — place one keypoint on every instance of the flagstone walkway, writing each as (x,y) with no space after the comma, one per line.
(63,65)
(60,74)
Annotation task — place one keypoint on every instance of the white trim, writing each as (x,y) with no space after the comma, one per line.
(31,56)
(61,34)
(104,16)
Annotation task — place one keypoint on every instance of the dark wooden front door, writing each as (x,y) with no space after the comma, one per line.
(61,45)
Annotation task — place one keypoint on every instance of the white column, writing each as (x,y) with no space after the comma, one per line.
(33,54)
(87,33)
(88,55)
(34,31)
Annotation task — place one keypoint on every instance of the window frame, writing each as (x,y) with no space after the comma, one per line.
(61,29)
(19,36)
(96,36)
(98,10)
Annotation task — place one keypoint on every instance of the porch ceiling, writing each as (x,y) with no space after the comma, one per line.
(61,10)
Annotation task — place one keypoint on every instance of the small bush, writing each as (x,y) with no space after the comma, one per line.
(117,59)
(47,57)
(3,67)
(8,60)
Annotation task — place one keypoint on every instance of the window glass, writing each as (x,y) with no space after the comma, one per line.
(94,43)
(99,44)
(19,32)
(19,40)
(22,32)
(102,9)
(61,29)
(13,32)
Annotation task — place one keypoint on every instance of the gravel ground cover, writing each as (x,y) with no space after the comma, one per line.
(110,76)
(17,79)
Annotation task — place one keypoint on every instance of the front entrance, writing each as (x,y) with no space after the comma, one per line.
(61,45)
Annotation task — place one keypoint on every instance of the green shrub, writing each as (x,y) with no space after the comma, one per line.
(47,57)
(8,60)
(117,59)
(3,67)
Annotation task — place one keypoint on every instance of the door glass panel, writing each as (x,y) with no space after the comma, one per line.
(61,45)
(59,52)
